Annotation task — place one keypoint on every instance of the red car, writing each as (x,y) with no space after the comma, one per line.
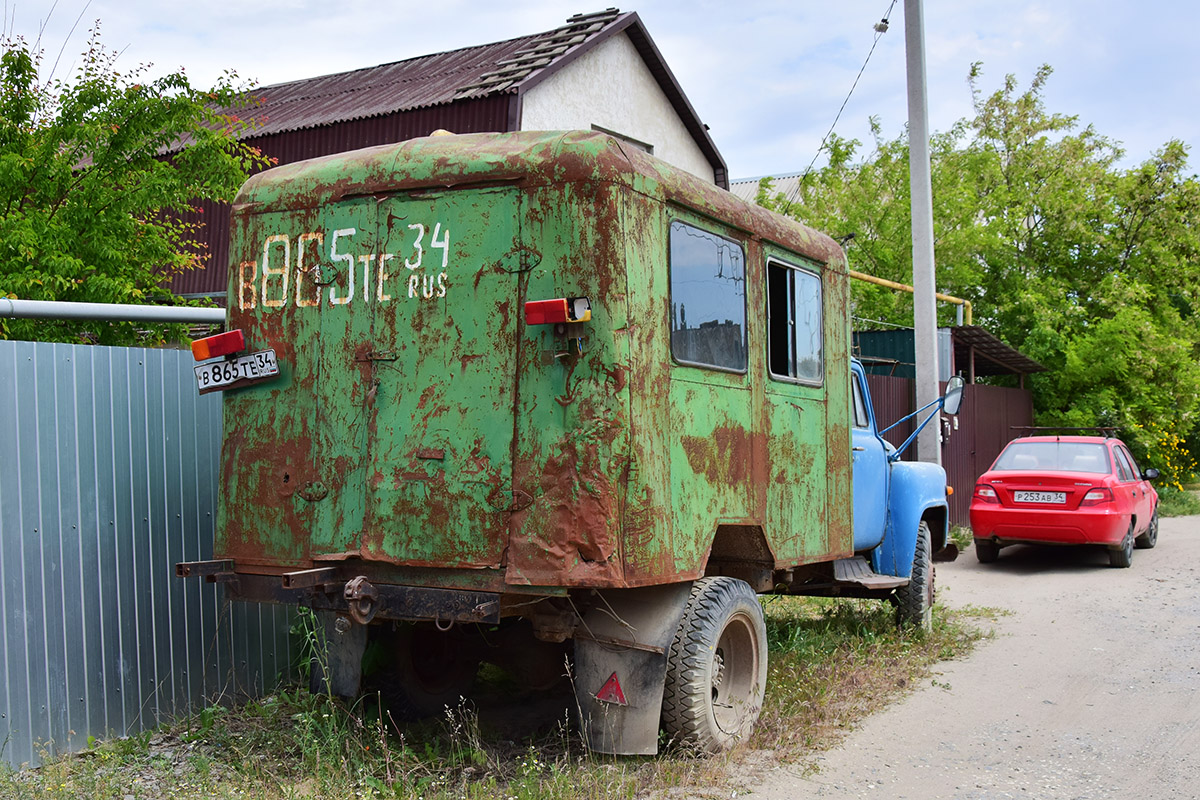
(1065,490)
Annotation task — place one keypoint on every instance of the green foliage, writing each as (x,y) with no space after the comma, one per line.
(1086,267)
(91,204)
(1174,502)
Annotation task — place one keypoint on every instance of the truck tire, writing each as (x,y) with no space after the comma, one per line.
(427,671)
(716,667)
(914,602)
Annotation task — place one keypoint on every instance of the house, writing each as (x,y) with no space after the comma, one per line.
(598,72)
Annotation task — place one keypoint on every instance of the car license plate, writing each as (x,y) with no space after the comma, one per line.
(1040,497)
(212,376)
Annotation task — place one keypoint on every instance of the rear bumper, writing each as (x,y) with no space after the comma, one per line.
(1081,526)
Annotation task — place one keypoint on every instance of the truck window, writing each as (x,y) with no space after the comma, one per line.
(794,323)
(708,299)
(860,407)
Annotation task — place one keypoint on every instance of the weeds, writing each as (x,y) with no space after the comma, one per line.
(832,663)
(961,536)
(1173,502)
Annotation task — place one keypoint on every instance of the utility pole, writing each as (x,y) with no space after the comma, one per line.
(924,281)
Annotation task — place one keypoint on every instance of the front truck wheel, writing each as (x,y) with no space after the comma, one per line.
(716,667)
(914,602)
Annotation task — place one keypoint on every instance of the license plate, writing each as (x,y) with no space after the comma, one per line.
(213,376)
(1040,497)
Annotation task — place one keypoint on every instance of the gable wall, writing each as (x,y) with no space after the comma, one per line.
(611,87)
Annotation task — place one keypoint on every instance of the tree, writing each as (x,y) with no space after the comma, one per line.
(96,173)
(1089,268)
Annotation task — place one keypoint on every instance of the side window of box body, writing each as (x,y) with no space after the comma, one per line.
(795,324)
(708,299)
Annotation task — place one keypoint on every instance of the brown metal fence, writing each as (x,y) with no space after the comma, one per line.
(986,423)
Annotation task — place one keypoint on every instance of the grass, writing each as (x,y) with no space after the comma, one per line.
(832,662)
(1175,503)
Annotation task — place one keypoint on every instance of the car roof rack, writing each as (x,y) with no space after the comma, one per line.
(1031,430)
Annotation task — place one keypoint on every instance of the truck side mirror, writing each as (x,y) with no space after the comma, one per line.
(953,398)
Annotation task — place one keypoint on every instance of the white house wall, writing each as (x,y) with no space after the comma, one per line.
(610,87)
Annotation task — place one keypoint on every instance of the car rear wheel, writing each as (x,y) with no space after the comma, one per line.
(1150,538)
(986,551)
(1122,555)
(717,667)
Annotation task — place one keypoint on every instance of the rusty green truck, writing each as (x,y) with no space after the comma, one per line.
(546,387)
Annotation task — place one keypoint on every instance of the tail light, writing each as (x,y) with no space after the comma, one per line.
(223,344)
(558,311)
(1097,497)
(986,494)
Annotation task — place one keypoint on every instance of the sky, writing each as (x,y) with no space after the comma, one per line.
(768,77)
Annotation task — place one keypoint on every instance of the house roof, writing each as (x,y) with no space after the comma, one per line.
(747,188)
(512,66)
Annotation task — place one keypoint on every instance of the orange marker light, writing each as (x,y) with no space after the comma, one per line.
(223,344)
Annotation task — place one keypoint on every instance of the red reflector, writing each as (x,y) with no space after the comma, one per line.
(546,312)
(223,344)
(560,309)
(611,692)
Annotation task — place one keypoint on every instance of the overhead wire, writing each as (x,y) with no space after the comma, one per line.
(880,29)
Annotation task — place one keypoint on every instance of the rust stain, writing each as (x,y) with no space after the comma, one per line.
(726,456)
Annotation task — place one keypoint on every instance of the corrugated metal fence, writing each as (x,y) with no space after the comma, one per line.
(108,478)
(987,421)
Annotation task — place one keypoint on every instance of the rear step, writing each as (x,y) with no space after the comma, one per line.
(857,571)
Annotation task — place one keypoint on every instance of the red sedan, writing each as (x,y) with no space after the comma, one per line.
(1065,490)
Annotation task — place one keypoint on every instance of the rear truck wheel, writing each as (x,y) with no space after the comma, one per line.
(1122,555)
(1150,538)
(716,667)
(425,670)
(914,601)
(986,550)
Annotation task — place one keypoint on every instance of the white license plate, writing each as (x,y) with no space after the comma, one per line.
(1040,497)
(214,375)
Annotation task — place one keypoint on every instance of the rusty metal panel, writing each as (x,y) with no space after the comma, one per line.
(110,481)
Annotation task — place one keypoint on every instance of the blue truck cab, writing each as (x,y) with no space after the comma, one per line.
(901,517)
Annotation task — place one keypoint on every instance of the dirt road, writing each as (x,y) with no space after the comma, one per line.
(1090,689)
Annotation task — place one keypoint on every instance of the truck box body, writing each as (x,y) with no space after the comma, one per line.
(424,432)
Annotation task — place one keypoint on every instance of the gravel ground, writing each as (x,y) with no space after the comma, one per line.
(1088,691)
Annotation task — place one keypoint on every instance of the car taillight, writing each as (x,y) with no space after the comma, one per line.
(1096,497)
(986,494)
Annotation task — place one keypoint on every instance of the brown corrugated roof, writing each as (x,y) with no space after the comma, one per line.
(374,91)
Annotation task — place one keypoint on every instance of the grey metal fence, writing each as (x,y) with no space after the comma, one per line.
(108,475)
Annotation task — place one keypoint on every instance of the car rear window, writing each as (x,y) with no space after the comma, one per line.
(1063,456)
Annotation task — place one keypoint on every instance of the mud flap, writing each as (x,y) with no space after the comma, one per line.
(621,664)
(337,656)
